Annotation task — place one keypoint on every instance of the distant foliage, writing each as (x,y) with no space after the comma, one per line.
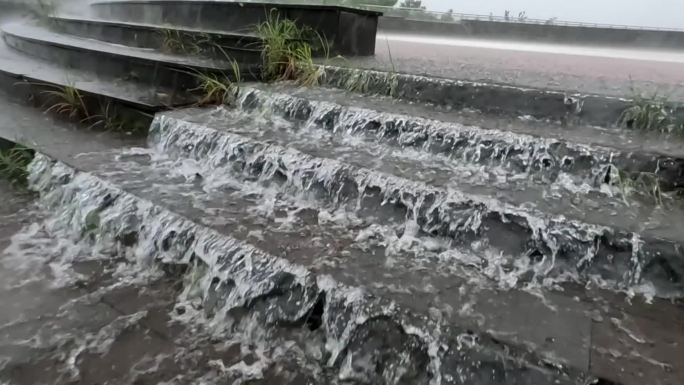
(418,4)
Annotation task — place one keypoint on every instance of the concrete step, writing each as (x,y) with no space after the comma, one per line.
(555,177)
(289,258)
(244,48)
(25,78)
(545,151)
(568,107)
(144,66)
(287,287)
(489,340)
(536,245)
(350,31)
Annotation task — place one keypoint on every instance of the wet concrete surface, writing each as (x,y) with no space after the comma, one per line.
(55,136)
(55,322)
(640,342)
(72,315)
(21,70)
(554,67)
(77,317)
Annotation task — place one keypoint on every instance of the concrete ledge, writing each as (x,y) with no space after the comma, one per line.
(491,98)
(242,48)
(116,62)
(32,92)
(350,31)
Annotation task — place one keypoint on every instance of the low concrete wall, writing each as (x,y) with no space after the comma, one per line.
(489,98)
(537,32)
(8,7)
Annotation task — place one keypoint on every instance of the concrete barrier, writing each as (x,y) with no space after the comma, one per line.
(351,31)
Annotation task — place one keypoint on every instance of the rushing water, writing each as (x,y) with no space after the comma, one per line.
(284,242)
(464,218)
(181,302)
(79,308)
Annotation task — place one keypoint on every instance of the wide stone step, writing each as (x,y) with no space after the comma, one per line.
(371,279)
(26,78)
(181,211)
(539,150)
(569,107)
(115,61)
(244,48)
(537,245)
(350,31)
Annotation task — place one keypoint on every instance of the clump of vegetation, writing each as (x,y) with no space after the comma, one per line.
(111,118)
(371,82)
(287,52)
(180,42)
(650,114)
(68,101)
(14,163)
(65,100)
(218,88)
(646,183)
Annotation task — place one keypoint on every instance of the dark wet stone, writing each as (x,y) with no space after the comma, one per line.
(380,352)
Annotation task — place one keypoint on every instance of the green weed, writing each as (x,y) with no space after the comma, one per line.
(107,118)
(287,52)
(218,88)
(645,183)
(371,82)
(65,100)
(650,114)
(114,119)
(180,42)
(13,164)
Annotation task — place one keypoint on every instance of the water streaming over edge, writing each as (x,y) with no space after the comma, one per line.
(568,249)
(232,281)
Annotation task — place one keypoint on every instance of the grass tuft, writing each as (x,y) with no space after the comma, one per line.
(287,51)
(114,119)
(218,88)
(180,42)
(372,82)
(650,114)
(14,163)
(644,183)
(65,100)
(108,119)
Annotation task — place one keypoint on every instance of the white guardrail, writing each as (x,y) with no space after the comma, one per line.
(453,17)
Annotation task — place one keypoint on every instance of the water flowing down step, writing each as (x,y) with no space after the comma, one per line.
(232,274)
(545,246)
